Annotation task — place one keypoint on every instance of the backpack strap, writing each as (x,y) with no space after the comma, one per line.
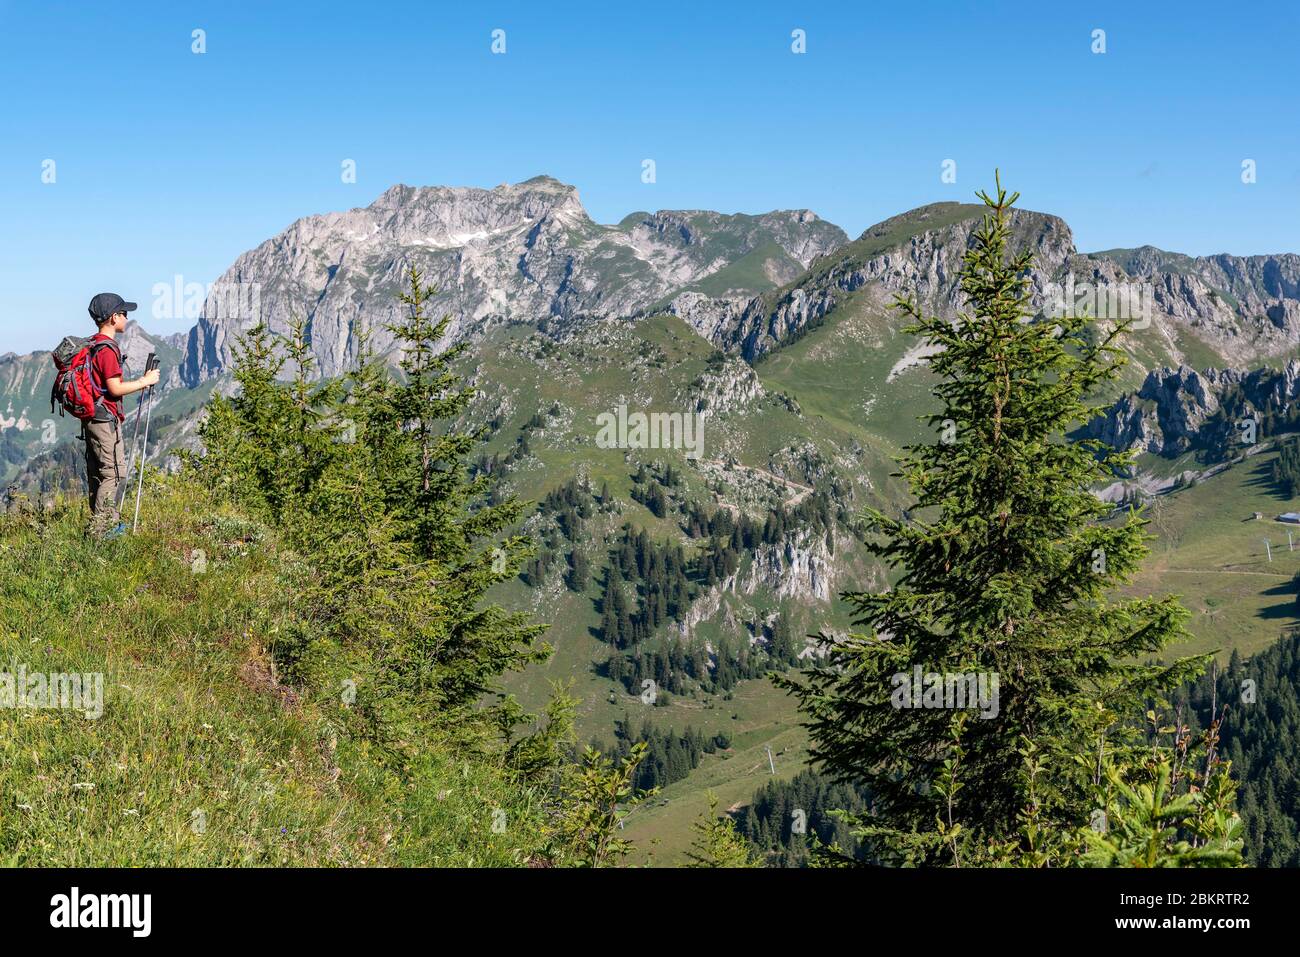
(109,343)
(117,351)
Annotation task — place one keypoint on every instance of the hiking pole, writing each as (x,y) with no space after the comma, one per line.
(135,437)
(144,445)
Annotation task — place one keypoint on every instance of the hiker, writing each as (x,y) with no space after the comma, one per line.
(102,433)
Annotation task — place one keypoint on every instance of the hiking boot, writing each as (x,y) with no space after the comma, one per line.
(105,524)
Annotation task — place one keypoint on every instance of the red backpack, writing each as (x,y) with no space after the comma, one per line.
(75,388)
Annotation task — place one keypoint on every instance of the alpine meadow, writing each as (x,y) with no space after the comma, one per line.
(376,541)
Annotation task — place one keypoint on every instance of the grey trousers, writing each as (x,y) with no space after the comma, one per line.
(105,471)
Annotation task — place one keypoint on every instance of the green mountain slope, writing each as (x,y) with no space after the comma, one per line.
(200,757)
(1209,549)
(834,391)
(759,452)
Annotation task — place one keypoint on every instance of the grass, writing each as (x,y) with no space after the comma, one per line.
(661,827)
(1208,550)
(752,273)
(200,758)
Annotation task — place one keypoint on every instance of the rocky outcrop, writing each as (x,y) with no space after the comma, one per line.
(1245,308)
(1167,415)
(802,567)
(524,252)
(731,387)
(919,254)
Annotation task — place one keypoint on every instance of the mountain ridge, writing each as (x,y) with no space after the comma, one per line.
(775,329)
(749,284)
(526,251)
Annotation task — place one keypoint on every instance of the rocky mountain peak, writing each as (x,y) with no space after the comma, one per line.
(919,252)
(518,252)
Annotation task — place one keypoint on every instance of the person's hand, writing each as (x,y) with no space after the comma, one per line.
(149,378)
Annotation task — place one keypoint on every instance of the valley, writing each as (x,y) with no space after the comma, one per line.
(777,332)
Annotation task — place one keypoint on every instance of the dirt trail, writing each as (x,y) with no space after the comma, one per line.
(804,490)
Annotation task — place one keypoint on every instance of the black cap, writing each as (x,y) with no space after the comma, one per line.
(106,304)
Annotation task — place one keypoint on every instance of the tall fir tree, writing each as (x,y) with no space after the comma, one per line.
(1003,568)
(458,536)
(243,434)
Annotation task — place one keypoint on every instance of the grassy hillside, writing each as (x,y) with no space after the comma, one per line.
(1208,550)
(758,270)
(859,372)
(200,756)
(657,364)
(1204,548)
(196,722)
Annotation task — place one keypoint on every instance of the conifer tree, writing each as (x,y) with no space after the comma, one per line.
(1003,568)
(455,535)
(309,425)
(243,434)
(579,571)
(371,478)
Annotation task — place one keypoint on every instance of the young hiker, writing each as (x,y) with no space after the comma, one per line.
(105,448)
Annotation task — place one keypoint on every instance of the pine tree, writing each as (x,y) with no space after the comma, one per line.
(579,571)
(370,479)
(1286,467)
(782,642)
(243,435)
(614,624)
(311,422)
(1004,570)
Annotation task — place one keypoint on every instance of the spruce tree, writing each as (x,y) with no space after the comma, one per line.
(1003,569)
(243,434)
(458,537)
(370,478)
(310,425)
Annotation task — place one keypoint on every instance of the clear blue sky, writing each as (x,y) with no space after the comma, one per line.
(173,163)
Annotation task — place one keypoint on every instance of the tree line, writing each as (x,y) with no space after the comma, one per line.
(1254,707)
(669,756)
(678,668)
(785,820)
